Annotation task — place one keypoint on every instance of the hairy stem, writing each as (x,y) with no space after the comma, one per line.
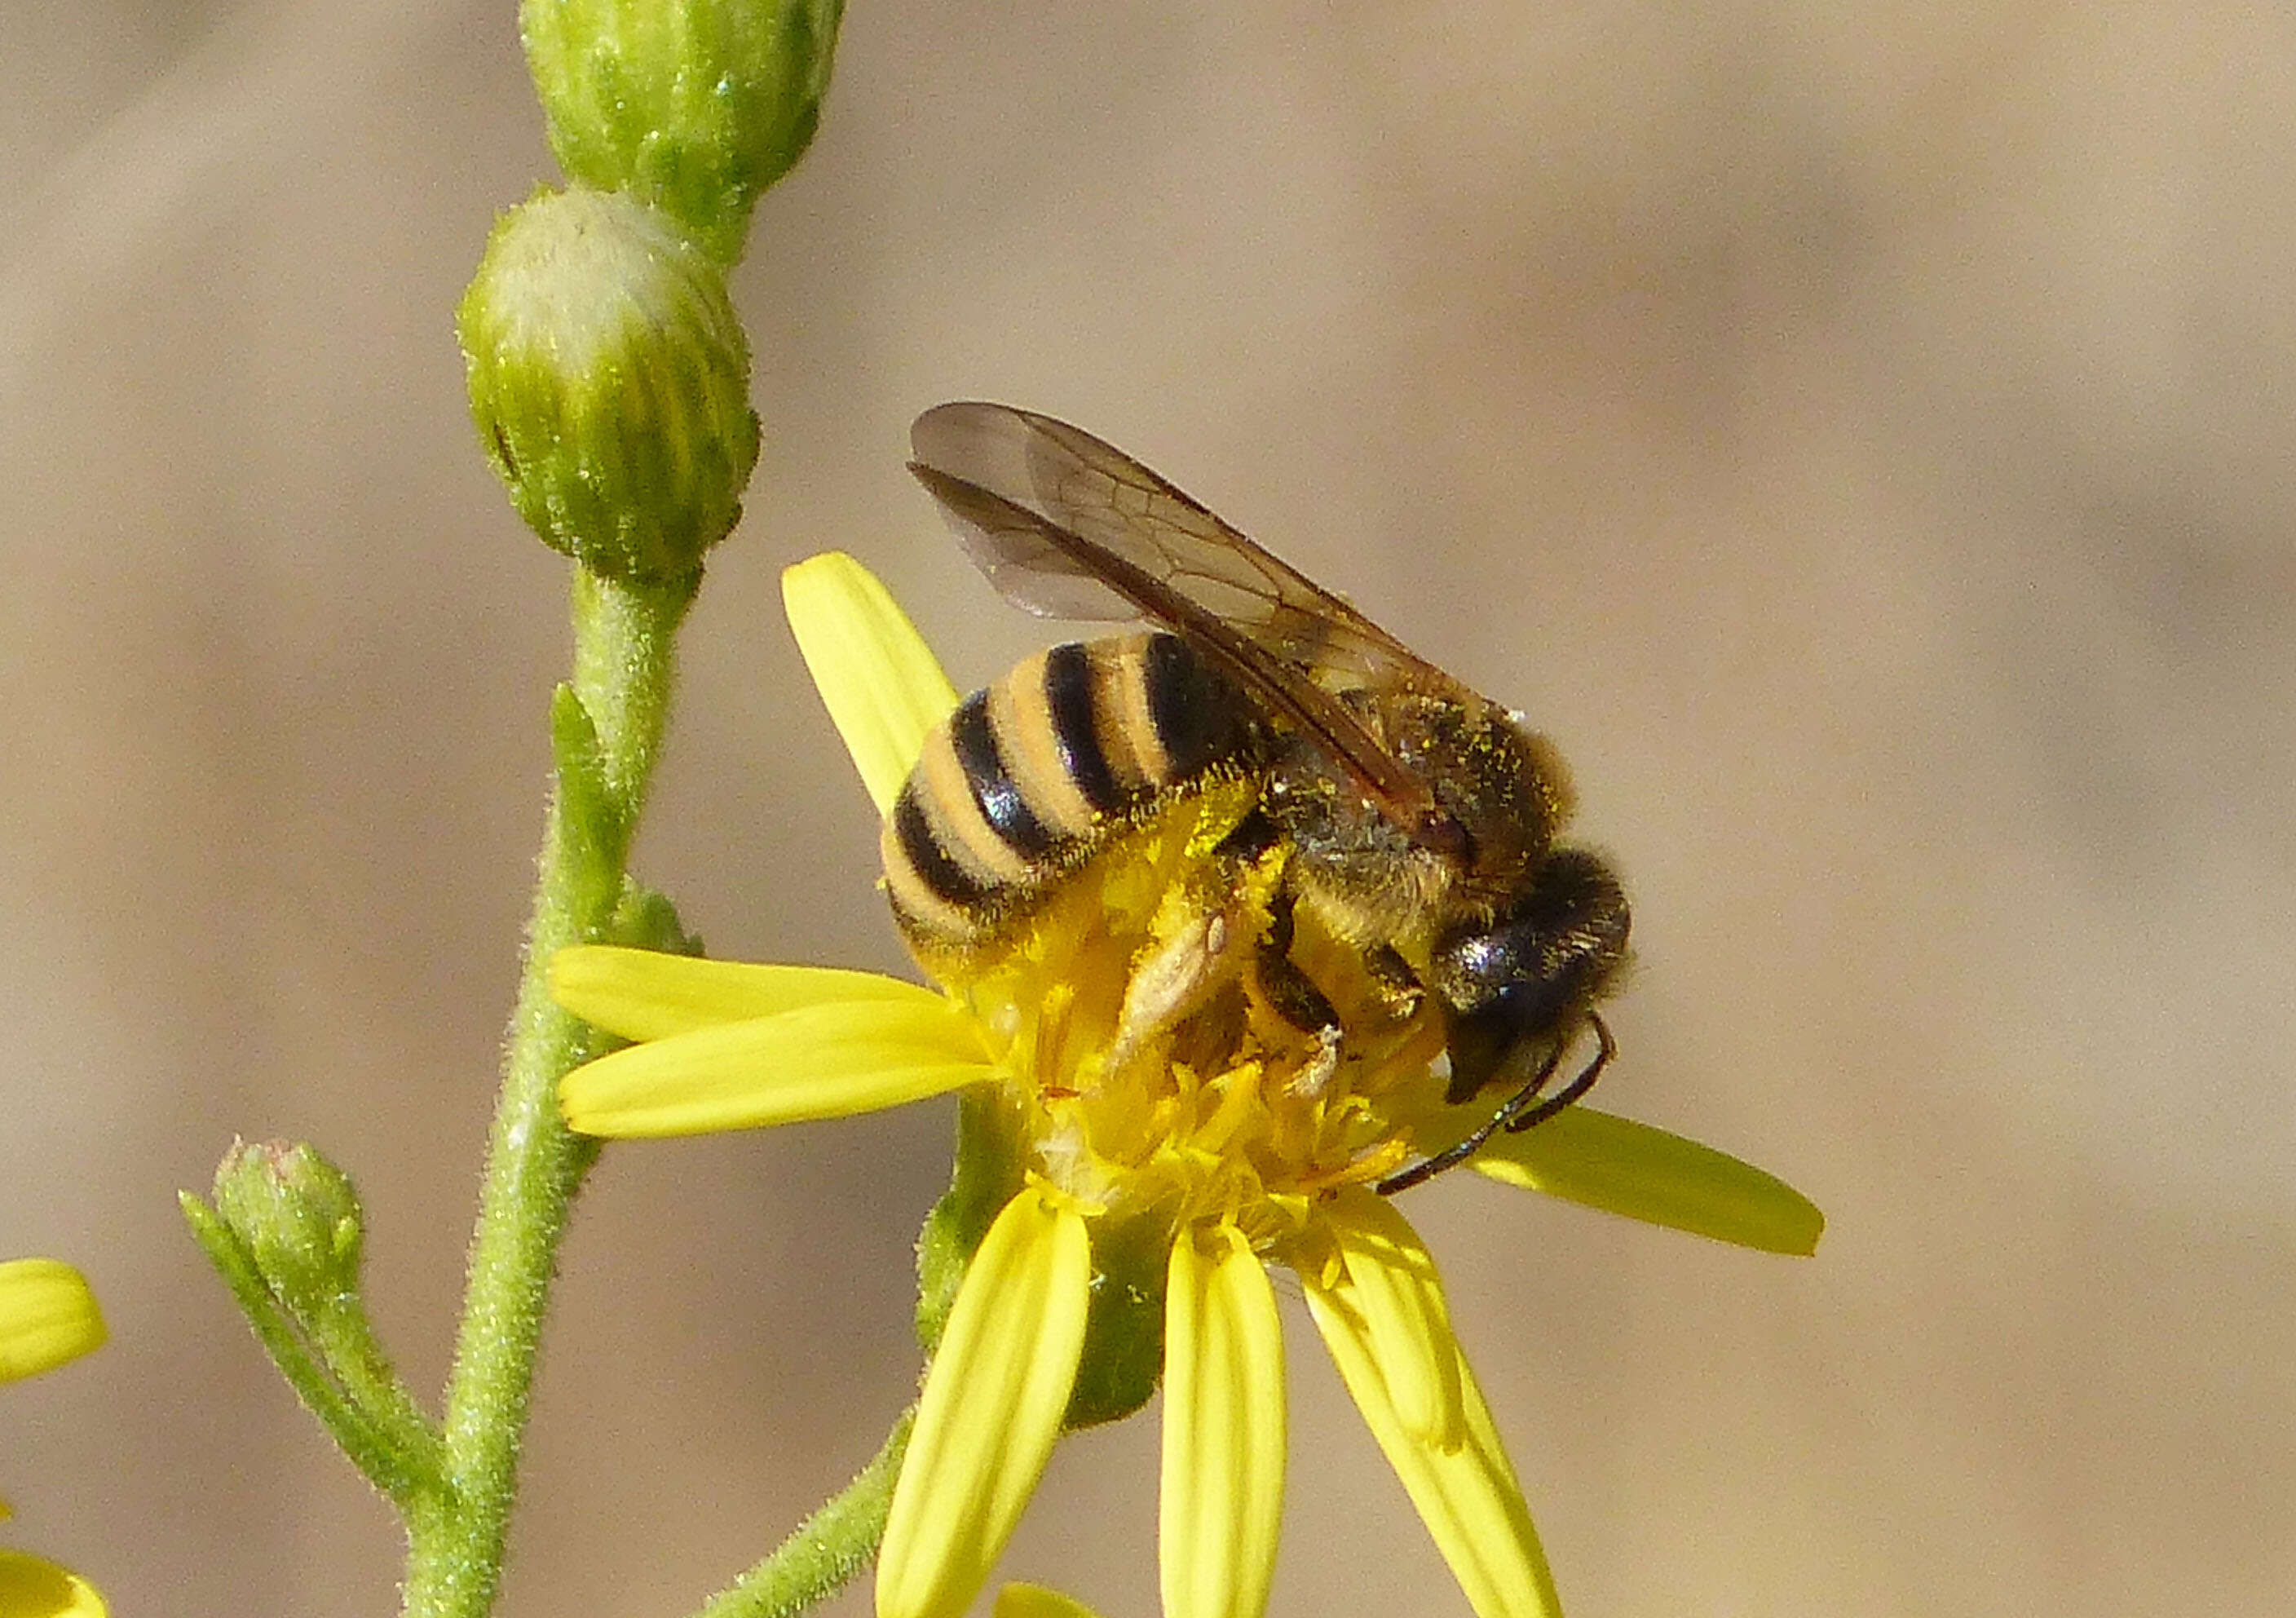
(828,1547)
(606,731)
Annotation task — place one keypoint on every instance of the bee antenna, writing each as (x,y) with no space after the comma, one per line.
(1522,1111)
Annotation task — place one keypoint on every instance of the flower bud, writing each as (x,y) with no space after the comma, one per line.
(695,105)
(299,1221)
(609,381)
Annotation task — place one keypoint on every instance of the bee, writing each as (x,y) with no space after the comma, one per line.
(1421,819)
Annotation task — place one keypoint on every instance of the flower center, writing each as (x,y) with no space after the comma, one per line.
(1163,1057)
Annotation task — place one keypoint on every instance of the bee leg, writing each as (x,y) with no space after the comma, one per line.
(1250,837)
(1214,945)
(1292,996)
(1291,993)
(1173,978)
(1392,980)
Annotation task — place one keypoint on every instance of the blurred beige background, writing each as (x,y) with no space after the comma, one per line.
(1862,441)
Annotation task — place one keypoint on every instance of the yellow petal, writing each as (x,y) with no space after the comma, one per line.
(1035,1601)
(1468,1496)
(1624,1167)
(48,1317)
(883,685)
(992,1407)
(815,1062)
(1223,1480)
(1401,1298)
(30,1587)
(643,994)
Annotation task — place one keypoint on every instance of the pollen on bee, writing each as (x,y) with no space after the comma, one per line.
(1147,1070)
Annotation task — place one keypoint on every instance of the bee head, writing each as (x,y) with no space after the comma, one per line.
(1512,988)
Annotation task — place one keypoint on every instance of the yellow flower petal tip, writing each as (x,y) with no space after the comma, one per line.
(1623,1167)
(1468,1495)
(1036,1601)
(829,1060)
(48,1317)
(885,689)
(30,1587)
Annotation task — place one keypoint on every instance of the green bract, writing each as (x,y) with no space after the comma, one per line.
(1123,1356)
(695,105)
(610,382)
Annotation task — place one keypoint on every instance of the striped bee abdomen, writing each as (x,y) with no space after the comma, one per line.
(1023,781)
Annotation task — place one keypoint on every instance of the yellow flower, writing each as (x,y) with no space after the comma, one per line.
(48,1317)
(1217,1131)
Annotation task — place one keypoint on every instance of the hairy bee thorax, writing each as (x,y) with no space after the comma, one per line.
(1506,788)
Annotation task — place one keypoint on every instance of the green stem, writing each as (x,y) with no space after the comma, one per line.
(606,737)
(828,1547)
(392,1445)
(346,1340)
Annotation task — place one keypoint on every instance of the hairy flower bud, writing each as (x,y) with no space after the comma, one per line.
(610,382)
(695,105)
(297,1218)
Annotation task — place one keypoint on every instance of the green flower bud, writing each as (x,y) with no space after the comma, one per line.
(609,381)
(695,105)
(298,1219)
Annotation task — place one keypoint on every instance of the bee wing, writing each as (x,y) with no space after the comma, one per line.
(1067,526)
(1092,492)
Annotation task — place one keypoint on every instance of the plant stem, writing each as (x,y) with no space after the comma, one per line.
(622,675)
(828,1547)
